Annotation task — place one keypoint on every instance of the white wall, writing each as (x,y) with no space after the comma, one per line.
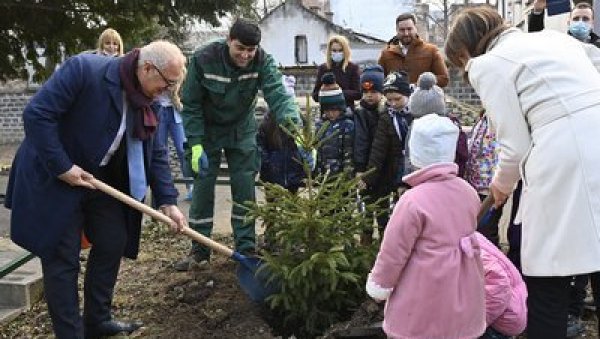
(366,53)
(280,28)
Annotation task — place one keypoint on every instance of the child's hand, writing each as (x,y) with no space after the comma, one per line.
(361,184)
(401,190)
(499,196)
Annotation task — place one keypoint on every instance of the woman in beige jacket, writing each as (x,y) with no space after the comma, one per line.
(542,92)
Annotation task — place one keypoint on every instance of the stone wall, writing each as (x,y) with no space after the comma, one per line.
(12,102)
(306,77)
(457,89)
(469,104)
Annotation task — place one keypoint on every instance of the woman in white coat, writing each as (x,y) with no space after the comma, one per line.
(542,92)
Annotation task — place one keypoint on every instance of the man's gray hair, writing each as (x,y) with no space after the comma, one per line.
(160,53)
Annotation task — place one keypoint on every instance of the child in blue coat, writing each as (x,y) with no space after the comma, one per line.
(335,153)
(281,160)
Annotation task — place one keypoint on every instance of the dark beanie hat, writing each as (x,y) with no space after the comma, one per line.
(397,82)
(372,79)
(331,95)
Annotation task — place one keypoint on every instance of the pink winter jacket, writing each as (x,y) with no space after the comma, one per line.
(505,291)
(428,264)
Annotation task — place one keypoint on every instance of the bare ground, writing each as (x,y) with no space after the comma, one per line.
(203,303)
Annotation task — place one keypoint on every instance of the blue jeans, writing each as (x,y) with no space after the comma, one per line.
(170,123)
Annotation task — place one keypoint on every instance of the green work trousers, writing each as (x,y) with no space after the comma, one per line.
(243,160)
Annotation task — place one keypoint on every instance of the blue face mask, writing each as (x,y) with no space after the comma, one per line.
(337,56)
(580,30)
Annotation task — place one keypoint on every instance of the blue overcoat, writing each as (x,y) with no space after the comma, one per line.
(73,119)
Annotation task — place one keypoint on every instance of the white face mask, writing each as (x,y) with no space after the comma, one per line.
(337,56)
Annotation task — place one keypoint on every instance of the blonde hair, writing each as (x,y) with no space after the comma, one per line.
(109,34)
(345,46)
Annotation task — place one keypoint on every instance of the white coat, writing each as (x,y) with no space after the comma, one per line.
(542,93)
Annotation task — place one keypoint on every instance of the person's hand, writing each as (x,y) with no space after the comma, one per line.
(76,176)
(293,122)
(178,220)
(401,190)
(199,160)
(539,5)
(361,183)
(499,196)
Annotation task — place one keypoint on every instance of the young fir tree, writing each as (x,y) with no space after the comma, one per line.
(314,253)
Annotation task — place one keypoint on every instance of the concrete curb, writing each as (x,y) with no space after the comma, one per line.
(23,287)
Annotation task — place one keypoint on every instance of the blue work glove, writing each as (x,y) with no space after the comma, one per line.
(199,161)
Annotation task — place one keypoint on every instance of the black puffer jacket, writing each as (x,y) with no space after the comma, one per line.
(387,156)
(365,125)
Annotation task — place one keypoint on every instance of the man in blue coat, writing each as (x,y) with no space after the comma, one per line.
(92,118)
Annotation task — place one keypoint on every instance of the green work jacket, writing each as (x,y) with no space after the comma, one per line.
(219,97)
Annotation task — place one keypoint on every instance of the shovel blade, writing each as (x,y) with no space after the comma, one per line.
(255,284)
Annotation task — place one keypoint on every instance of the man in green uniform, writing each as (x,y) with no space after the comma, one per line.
(219,98)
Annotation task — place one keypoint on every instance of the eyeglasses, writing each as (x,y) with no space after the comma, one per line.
(170,83)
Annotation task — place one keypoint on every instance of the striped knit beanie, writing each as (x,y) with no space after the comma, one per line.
(331,95)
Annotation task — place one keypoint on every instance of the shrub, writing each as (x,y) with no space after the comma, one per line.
(313,239)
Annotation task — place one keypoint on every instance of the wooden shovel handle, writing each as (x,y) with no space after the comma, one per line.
(218,247)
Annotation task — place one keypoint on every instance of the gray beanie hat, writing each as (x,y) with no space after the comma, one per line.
(428,97)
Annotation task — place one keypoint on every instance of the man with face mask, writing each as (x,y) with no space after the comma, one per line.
(409,53)
(580,21)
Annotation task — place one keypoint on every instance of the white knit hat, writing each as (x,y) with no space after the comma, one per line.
(432,140)
(427,98)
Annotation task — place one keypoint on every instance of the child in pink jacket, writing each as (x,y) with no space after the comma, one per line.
(428,268)
(505,292)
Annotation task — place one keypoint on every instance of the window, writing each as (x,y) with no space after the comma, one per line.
(301,49)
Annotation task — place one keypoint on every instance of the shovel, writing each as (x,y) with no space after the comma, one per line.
(256,284)
(486,210)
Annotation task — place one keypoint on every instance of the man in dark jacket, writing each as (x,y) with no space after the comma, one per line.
(92,118)
(580,21)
